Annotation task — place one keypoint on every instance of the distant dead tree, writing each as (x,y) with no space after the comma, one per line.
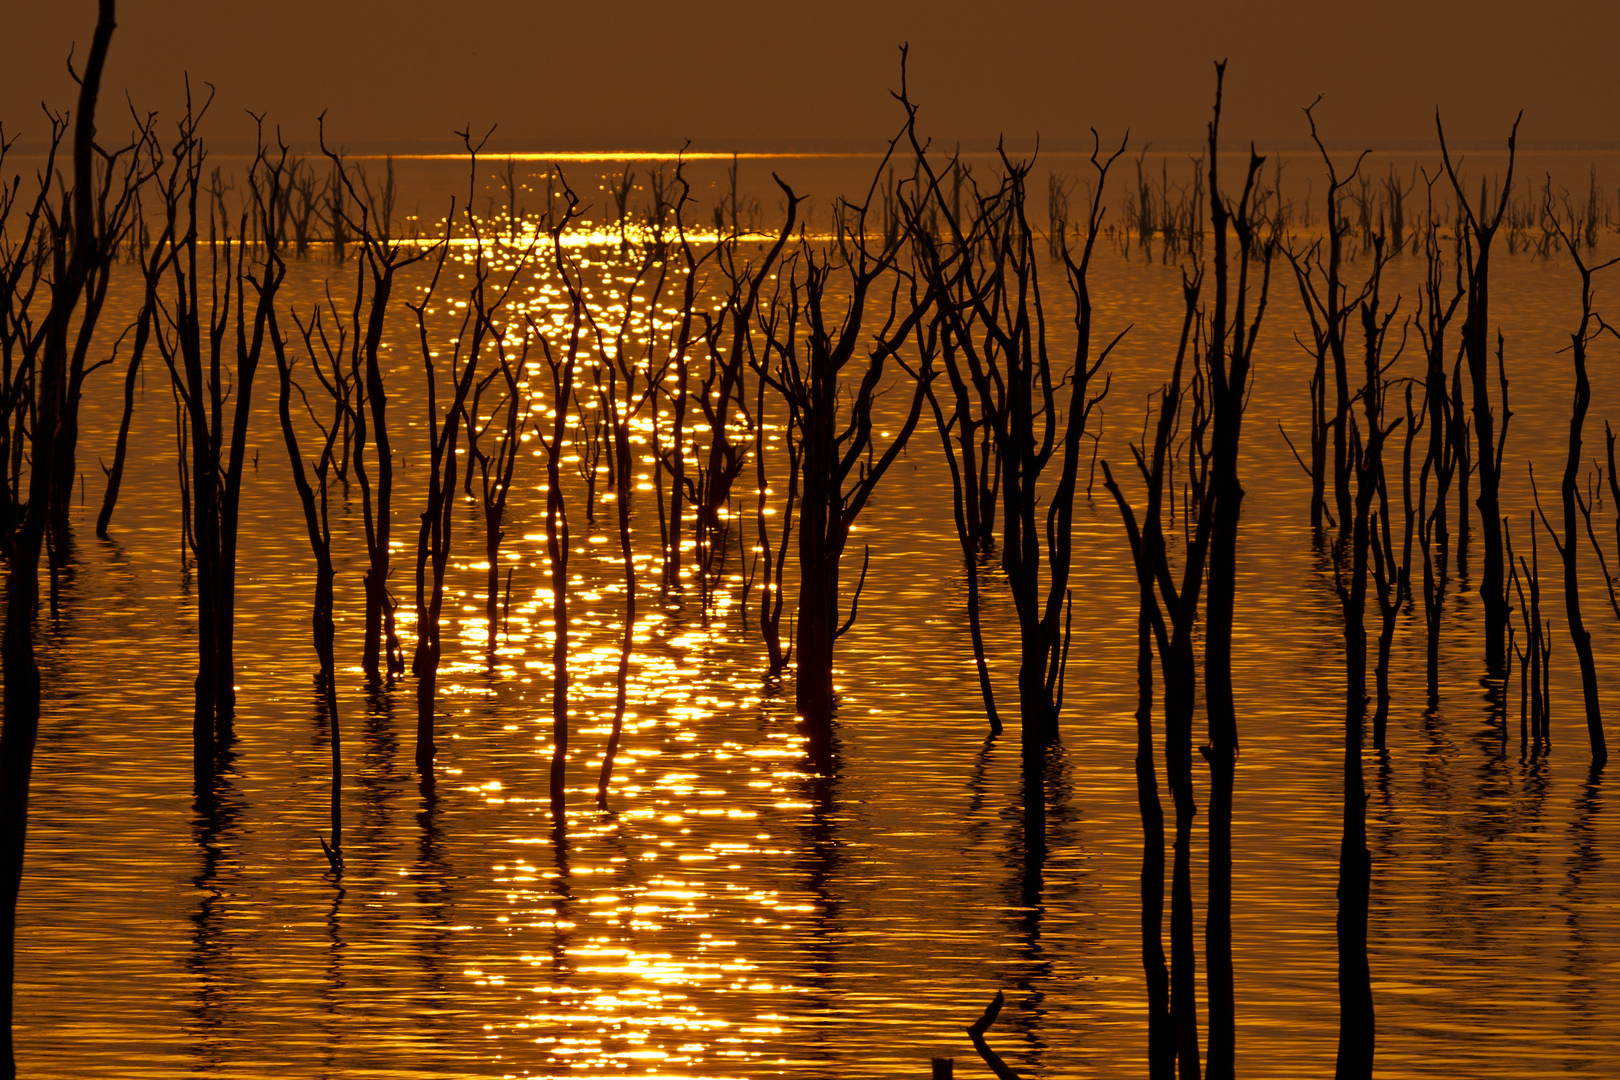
(304,215)
(379,204)
(337,214)
(1395,195)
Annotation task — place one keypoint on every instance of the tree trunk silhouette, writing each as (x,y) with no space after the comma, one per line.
(562,368)
(837,474)
(975,459)
(1352,571)
(495,470)
(1568,544)
(152,269)
(772,594)
(987,292)
(26,522)
(216,402)
(1440,461)
(312,498)
(1233,327)
(1481,230)
(1166,614)
(382,257)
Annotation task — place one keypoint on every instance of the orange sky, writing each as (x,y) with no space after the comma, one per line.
(401,75)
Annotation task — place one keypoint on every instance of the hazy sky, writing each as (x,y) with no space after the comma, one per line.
(767,75)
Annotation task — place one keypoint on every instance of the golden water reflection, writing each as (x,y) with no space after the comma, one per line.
(736,917)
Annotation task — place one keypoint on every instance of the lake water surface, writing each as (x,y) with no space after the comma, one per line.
(739,917)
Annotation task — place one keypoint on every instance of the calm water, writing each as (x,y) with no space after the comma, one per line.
(739,918)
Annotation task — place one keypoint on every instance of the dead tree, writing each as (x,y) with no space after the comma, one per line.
(1234,319)
(670,455)
(721,393)
(1356,1023)
(495,464)
(337,214)
(153,265)
(381,260)
(216,399)
(477,332)
(1392,555)
(562,363)
(1482,224)
(379,205)
(1587,328)
(312,498)
(1330,308)
(116,204)
(1365,559)
(992,309)
(1166,619)
(1018,385)
(327,361)
(1395,194)
(1355,569)
(1389,566)
(967,434)
(1535,658)
(822,334)
(433,537)
(303,182)
(772,594)
(624,383)
(46,385)
(1438,307)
